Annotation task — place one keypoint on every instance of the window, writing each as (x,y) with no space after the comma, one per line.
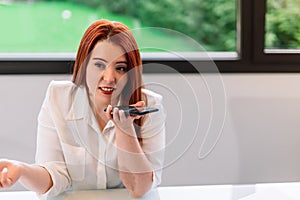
(276,35)
(282,29)
(236,34)
(51,27)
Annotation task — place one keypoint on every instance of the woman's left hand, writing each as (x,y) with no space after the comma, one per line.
(122,120)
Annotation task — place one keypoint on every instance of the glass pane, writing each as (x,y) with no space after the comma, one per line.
(57,26)
(283,24)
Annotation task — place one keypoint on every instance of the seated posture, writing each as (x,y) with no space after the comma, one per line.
(84,140)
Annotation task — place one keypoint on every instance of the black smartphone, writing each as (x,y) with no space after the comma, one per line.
(134,111)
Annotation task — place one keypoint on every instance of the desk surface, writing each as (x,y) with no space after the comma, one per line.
(274,191)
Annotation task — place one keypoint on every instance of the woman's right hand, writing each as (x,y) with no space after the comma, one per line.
(10,172)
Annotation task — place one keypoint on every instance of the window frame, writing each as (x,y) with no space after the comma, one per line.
(250,56)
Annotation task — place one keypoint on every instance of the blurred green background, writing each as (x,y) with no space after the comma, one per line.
(182,25)
(283,24)
(57,26)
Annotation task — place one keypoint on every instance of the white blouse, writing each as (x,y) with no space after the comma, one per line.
(76,153)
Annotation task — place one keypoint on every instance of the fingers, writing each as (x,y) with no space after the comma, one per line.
(108,112)
(5,181)
(122,115)
(121,118)
(116,114)
(136,116)
(10,172)
(139,103)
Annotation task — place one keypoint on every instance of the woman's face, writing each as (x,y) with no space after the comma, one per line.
(106,74)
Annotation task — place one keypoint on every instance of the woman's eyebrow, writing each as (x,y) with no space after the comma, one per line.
(122,62)
(118,62)
(95,58)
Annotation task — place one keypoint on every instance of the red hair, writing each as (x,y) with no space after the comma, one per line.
(120,35)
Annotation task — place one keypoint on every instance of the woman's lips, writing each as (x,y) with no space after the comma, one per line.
(107,90)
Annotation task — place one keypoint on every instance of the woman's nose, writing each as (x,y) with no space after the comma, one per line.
(109,75)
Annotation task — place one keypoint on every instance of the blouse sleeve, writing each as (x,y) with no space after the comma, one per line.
(49,151)
(153,134)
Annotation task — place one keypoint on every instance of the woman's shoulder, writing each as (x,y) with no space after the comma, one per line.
(60,91)
(64,84)
(154,123)
(153,98)
(59,87)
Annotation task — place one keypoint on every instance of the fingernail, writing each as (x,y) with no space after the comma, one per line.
(4,170)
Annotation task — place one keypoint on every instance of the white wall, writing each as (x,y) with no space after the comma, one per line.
(246,125)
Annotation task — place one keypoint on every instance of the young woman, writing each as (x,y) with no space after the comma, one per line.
(83,141)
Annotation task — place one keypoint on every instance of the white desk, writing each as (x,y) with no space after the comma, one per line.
(278,191)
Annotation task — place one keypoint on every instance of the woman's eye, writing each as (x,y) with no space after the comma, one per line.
(99,65)
(121,68)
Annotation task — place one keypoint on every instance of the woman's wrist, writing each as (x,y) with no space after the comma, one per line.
(22,169)
(128,130)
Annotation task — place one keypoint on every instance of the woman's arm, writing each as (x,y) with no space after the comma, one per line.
(135,170)
(32,177)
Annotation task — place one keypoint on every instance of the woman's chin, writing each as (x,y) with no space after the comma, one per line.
(107,99)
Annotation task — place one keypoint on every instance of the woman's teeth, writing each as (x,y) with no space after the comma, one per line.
(107,89)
